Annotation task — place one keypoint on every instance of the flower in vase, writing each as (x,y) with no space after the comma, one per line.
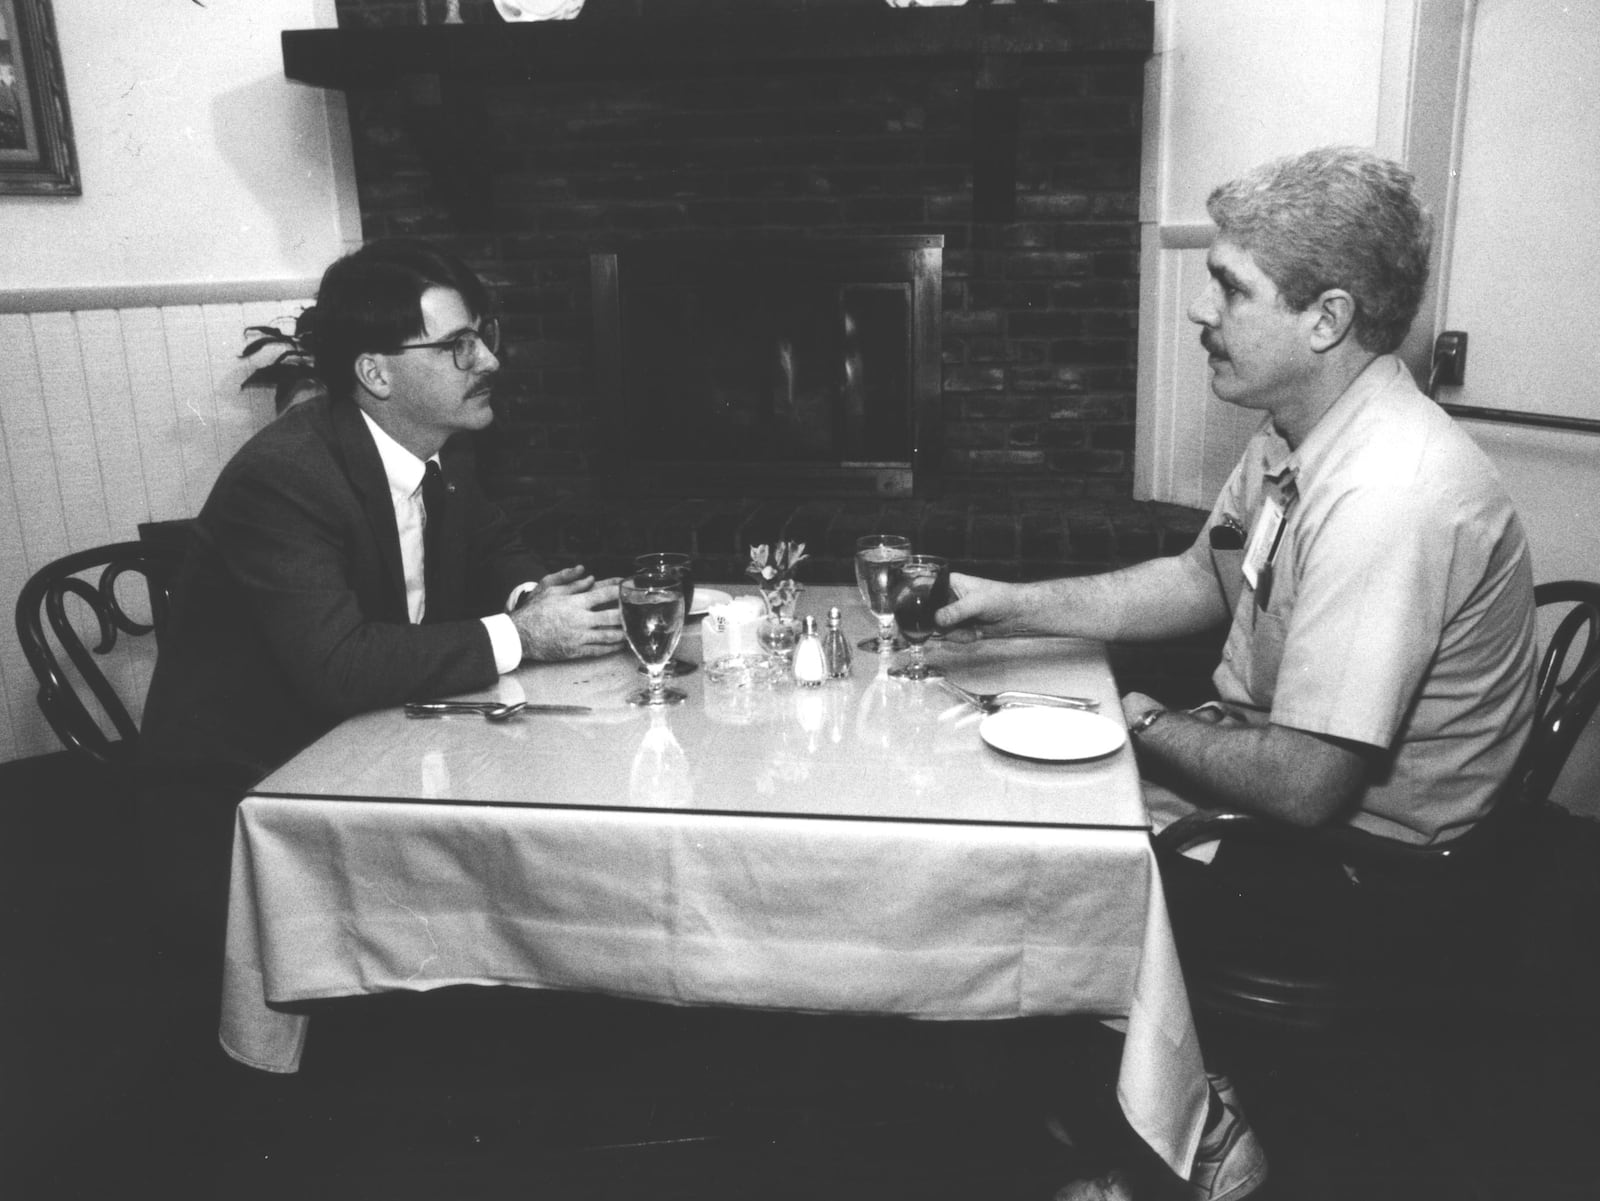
(772,568)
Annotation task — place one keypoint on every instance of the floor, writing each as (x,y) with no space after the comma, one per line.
(105,1087)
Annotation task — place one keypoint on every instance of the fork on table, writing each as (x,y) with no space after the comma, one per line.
(988,702)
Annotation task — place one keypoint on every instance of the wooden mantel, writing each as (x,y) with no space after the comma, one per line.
(452,64)
(1074,31)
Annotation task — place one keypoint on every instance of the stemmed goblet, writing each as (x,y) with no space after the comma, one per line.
(652,619)
(671,562)
(921,588)
(877,556)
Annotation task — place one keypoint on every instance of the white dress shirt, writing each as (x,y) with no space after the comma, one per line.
(405,471)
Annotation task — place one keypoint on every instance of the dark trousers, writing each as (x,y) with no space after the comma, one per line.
(185,846)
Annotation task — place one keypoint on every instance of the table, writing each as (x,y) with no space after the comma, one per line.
(853,848)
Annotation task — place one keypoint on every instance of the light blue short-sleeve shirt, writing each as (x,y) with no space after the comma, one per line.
(1397,609)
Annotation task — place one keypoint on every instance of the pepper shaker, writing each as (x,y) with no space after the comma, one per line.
(809,670)
(835,647)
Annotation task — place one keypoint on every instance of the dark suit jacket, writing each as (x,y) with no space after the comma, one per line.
(290,612)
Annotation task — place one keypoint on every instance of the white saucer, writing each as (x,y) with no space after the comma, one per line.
(704,598)
(1056,735)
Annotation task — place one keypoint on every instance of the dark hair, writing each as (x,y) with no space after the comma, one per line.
(371,300)
(1336,217)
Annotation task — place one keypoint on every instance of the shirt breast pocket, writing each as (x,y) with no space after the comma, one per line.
(1267,635)
(1229,568)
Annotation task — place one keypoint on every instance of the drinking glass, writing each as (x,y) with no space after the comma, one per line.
(652,620)
(921,587)
(671,562)
(877,555)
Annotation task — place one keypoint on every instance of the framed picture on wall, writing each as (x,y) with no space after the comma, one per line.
(37,157)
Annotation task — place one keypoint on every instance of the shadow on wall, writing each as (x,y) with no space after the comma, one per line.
(238,119)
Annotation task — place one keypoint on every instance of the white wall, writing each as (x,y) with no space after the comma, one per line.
(1522,277)
(199,160)
(1499,97)
(1232,83)
(215,192)
(1238,81)
(1247,80)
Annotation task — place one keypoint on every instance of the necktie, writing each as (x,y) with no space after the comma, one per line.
(433,494)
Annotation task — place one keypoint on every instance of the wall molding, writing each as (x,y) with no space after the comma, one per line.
(1186,235)
(153,296)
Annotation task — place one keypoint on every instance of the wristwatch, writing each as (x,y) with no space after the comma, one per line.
(1147,719)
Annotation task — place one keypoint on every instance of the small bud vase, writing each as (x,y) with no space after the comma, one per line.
(780,597)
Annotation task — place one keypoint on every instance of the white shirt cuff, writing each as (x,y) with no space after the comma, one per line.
(505,640)
(521,593)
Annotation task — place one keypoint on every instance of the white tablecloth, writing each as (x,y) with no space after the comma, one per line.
(941,920)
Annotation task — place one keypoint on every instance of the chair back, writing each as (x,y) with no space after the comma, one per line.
(1473,874)
(1568,685)
(47,630)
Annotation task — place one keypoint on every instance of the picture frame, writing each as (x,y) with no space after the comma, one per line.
(37,155)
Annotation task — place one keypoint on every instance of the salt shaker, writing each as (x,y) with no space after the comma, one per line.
(835,647)
(809,669)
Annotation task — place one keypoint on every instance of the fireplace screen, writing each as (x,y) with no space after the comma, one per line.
(735,367)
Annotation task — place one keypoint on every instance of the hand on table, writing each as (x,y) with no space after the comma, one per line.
(570,616)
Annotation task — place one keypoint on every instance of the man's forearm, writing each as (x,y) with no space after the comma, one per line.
(1268,770)
(1161,598)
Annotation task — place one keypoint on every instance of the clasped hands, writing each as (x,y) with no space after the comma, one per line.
(571,615)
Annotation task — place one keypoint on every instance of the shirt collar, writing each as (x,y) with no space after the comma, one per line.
(1281,465)
(402,468)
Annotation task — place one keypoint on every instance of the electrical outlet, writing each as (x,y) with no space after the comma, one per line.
(1450,359)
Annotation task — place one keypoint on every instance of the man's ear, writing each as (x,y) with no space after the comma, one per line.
(1333,313)
(372,373)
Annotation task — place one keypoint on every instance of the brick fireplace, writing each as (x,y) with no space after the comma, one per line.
(662,121)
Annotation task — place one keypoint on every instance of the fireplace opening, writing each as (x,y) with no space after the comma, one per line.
(764,367)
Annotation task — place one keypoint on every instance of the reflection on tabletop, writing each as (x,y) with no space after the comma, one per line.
(660,777)
(865,746)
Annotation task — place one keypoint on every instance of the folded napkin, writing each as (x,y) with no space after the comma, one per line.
(731,629)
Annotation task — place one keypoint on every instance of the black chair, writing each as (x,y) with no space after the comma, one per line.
(107,579)
(1470,883)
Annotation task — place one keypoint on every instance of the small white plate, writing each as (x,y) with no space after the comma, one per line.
(1057,735)
(704,598)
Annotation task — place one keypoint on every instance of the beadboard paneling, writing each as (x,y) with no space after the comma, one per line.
(110,416)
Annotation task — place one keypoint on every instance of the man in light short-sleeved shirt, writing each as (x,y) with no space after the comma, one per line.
(1379,668)
(1397,613)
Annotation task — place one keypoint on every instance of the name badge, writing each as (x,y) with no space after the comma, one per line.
(1263,545)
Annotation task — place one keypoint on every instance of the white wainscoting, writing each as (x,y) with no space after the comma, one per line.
(115,408)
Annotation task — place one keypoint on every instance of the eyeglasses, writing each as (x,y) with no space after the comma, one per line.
(464,346)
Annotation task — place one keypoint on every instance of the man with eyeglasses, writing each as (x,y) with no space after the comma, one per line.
(346,558)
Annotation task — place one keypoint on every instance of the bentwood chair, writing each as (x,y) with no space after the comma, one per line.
(111,591)
(1473,882)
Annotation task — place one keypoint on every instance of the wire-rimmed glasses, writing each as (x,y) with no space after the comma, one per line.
(465,346)
(877,555)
